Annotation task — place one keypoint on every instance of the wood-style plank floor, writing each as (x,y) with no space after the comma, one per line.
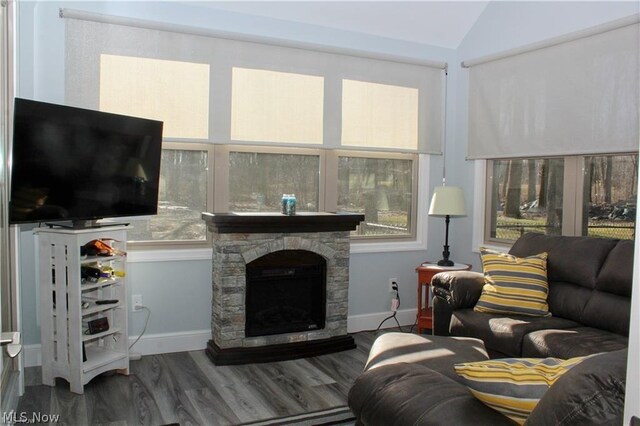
(186,388)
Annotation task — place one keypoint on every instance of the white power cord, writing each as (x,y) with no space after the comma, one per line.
(395,305)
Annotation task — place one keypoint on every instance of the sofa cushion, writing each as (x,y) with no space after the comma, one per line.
(513,386)
(608,312)
(436,352)
(575,260)
(513,285)
(502,333)
(616,275)
(410,394)
(612,294)
(567,300)
(591,393)
(594,278)
(569,343)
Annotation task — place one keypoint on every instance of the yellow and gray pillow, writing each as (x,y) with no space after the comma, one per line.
(513,386)
(514,285)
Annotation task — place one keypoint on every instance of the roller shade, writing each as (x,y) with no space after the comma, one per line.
(256,92)
(571,98)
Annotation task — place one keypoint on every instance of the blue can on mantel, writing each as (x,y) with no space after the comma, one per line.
(289,204)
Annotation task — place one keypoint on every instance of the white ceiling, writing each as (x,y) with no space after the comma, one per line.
(437,23)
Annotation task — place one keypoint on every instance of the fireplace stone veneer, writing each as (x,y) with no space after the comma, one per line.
(240,238)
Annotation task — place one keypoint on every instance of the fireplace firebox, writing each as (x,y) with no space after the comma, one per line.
(286,293)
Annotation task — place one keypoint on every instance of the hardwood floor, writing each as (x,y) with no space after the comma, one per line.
(186,388)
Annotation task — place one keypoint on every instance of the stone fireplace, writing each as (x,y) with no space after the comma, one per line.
(298,271)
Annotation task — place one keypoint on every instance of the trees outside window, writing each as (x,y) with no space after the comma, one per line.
(379,188)
(182,197)
(257,181)
(528,195)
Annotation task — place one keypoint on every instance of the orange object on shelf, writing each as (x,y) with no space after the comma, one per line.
(426,271)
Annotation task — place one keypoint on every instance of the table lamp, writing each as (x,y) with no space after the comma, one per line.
(447,201)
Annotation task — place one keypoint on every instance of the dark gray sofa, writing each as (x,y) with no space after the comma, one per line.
(590,281)
(410,380)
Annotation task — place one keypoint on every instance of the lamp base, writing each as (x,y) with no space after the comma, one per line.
(445,252)
(445,262)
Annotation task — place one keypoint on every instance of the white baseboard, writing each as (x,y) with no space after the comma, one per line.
(32,355)
(366,322)
(161,343)
(150,344)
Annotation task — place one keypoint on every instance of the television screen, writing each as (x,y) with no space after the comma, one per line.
(77,164)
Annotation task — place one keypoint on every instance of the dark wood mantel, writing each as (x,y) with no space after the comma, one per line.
(226,223)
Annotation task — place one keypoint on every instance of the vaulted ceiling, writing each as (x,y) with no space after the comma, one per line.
(437,23)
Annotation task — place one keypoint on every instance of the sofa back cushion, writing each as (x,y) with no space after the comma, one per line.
(609,306)
(589,278)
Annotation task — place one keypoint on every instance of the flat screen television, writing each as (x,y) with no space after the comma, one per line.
(79,165)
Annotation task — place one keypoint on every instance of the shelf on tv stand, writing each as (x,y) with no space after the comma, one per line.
(83,224)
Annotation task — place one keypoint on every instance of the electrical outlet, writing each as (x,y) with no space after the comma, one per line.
(136,302)
(391,281)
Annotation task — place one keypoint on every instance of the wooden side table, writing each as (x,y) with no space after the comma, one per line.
(426,271)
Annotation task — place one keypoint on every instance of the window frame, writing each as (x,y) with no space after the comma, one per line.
(572,203)
(184,244)
(218,186)
(332,174)
(334,67)
(568,195)
(223,156)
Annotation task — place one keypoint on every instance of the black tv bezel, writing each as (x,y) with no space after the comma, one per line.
(106,120)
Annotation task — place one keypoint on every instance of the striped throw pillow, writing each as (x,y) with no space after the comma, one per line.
(513,285)
(513,386)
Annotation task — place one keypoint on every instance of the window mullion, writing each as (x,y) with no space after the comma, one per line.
(582,193)
(329,181)
(221,179)
(571,221)
(211,178)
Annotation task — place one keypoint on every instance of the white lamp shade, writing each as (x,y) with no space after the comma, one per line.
(447,200)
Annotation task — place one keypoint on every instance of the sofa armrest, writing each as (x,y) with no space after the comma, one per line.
(409,394)
(453,290)
(459,289)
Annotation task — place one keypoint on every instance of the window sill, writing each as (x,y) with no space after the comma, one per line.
(171,255)
(386,246)
(168,255)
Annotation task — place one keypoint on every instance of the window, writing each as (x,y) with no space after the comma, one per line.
(247,121)
(610,191)
(382,190)
(270,106)
(174,92)
(379,115)
(573,195)
(185,185)
(526,196)
(178,94)
(257,181)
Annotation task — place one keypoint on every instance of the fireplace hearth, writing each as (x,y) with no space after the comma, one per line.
(279,285)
